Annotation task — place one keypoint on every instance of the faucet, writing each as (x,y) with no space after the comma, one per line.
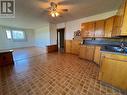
(123,46)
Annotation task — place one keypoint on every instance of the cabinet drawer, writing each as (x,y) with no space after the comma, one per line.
(118,57)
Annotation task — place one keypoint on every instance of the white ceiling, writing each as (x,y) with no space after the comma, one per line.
(30,13)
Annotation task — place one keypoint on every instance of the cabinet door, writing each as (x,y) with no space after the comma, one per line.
(99,28)
(118,22)
(106,70)
(68,46)
(87,29)
(97,55)
(114,72)
(75,46)
(82,52)
(82,30)
(124,25)
(90,53)
(109,26)
(119,76)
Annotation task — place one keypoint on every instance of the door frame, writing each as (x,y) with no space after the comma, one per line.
(58,35)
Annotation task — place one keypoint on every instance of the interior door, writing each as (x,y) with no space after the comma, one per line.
(60,38)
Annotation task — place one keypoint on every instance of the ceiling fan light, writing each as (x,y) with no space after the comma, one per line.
(54,14)
(57,14)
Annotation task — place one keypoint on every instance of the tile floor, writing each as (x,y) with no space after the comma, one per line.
(53,74)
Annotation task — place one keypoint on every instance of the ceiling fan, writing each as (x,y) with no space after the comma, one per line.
(53,9)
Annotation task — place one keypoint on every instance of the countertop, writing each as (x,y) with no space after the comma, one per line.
(124,54)
(106,51)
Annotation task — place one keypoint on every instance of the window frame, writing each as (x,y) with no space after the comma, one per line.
(7,34)
(17,40)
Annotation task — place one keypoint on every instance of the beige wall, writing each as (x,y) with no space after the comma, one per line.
(42,36)
(74,25)
(53,34)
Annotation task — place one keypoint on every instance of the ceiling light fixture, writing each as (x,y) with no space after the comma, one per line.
(54,14)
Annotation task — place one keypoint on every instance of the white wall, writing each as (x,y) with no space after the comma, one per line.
(42,36)
(75,25)
(10,44)
(53,34)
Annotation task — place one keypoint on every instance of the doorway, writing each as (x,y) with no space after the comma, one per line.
(60,39)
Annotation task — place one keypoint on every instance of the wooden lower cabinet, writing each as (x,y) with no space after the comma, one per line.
(97,55)
(72,46)
(82,52)
(86,52)
(75,45)
(114,70)
(68,46)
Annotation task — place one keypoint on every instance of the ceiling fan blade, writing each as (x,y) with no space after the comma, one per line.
(65,10)
(66,2)
(43,5)
(43,1)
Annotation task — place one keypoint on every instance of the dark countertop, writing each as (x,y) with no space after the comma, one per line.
(124,54)
(107,51)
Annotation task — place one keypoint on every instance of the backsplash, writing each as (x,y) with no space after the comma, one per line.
(105,41)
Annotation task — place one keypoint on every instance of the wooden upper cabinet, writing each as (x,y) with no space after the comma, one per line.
(87,29)
(109,26)
(120,24)
(99,28)
(124,25)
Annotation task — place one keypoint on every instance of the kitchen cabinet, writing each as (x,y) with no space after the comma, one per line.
(99,28)
(75,47)
(87,29)
(72,46)
(82,51)
(109,26)
(90,52)
(68,46)
(124,24)
(113,70)
(97,55)
(86,52)
(120,24)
